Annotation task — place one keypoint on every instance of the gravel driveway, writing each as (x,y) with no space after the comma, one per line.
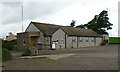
(94,58)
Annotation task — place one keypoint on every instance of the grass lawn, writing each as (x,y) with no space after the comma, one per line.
(114,40)
(51,61)
(48,60)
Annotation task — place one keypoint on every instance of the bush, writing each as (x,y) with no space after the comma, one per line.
(6,55)
(9,44)
(26,52)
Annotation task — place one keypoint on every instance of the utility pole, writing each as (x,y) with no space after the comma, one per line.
(22,17)
(23,42)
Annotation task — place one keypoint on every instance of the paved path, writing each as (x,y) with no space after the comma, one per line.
(54,57)
(94,58)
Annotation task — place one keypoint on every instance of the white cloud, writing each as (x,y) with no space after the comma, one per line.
(60,13)
(11,13)
(5,29)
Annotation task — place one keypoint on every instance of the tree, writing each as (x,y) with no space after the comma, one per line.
(72,23)
(100,23)
(103,22)
(9,44)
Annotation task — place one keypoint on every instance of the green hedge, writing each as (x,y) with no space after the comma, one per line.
(6,55)
(114,40)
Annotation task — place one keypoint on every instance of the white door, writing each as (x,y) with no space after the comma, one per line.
(53,45)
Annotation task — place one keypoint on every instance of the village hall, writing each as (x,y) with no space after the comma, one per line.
(45,36)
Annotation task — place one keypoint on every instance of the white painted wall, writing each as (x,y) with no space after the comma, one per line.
(90,43)
(69,43)
(74,44)
(80,43)
(98,41)
(84,42)
(60,36)
(32,28)
(91,40)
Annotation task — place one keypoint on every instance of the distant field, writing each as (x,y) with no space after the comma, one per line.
(114,40)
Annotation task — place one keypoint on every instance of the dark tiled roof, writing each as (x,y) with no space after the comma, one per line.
(71,31)
(46,28)
(49,29)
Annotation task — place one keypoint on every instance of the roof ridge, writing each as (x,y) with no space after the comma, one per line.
(45,23)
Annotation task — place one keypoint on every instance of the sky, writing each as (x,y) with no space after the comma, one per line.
(59,12)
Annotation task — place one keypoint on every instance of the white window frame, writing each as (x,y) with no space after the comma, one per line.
(87,40)
(80,39)
(57,40)
(92,40)
(62,40)
(73,40)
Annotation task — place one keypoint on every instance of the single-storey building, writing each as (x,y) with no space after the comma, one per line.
(49,36)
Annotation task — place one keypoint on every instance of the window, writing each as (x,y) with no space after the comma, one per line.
(87,40)
(81,40)
(92,40)
(57,41)
(73,39)
(24,42)
(62,41)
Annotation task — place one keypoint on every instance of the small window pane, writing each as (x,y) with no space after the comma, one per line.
(57,40)
(62,41)
(73,39)
(92,40)
(81,39)
(86,39)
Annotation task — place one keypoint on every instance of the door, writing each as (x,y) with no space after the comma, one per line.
(95,41)
(53,45)
(33,41)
